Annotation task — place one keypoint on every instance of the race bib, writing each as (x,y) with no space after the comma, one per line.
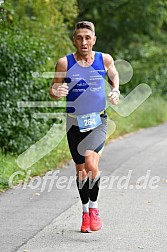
(89,121)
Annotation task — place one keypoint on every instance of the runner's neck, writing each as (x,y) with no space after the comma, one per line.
(84,60)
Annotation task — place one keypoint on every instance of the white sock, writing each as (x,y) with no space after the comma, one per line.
(93,204)
(85,207)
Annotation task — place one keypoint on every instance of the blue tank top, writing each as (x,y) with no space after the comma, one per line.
(86,86)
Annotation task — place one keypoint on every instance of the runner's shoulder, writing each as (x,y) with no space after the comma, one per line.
(108,60)
(62,64)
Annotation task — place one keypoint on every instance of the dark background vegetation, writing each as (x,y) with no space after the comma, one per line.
(34,34)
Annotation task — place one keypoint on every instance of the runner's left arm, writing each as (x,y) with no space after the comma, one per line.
(113,78)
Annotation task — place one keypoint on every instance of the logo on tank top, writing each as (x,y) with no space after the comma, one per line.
(77,90)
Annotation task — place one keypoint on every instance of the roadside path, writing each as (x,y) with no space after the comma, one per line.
(132,203)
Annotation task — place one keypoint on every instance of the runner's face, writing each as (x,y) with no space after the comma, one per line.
(84,40)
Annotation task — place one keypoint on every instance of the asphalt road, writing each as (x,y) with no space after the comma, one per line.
(45,214)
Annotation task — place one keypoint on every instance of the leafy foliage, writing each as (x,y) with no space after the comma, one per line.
(135,31)
(48,19)
(33,34)
(20,55)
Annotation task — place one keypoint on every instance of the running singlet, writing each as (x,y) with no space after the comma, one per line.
(86,86)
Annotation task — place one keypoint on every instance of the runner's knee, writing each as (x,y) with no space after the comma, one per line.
(81,172)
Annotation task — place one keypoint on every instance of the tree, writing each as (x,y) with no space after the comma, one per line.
(135,31)
(20,55)
(48,19)
(30,33)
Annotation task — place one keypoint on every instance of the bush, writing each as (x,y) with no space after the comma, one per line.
(20,55)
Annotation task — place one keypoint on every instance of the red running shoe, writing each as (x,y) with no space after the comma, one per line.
(95,221)
(85,227)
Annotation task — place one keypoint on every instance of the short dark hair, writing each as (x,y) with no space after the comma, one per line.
(85,24)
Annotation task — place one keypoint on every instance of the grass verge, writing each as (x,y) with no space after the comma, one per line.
(152,112)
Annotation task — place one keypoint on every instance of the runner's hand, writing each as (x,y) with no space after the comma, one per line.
(113,97)
(60,91)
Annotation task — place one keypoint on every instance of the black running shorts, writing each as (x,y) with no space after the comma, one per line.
(79,142)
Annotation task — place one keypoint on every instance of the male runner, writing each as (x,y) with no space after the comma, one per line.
(83,85)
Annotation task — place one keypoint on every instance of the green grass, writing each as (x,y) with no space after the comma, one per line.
(152,112)
(53,160)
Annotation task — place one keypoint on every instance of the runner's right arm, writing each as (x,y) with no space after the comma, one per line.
(59,88)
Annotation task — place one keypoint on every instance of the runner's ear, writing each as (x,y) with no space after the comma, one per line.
(94,40)
(73,41)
